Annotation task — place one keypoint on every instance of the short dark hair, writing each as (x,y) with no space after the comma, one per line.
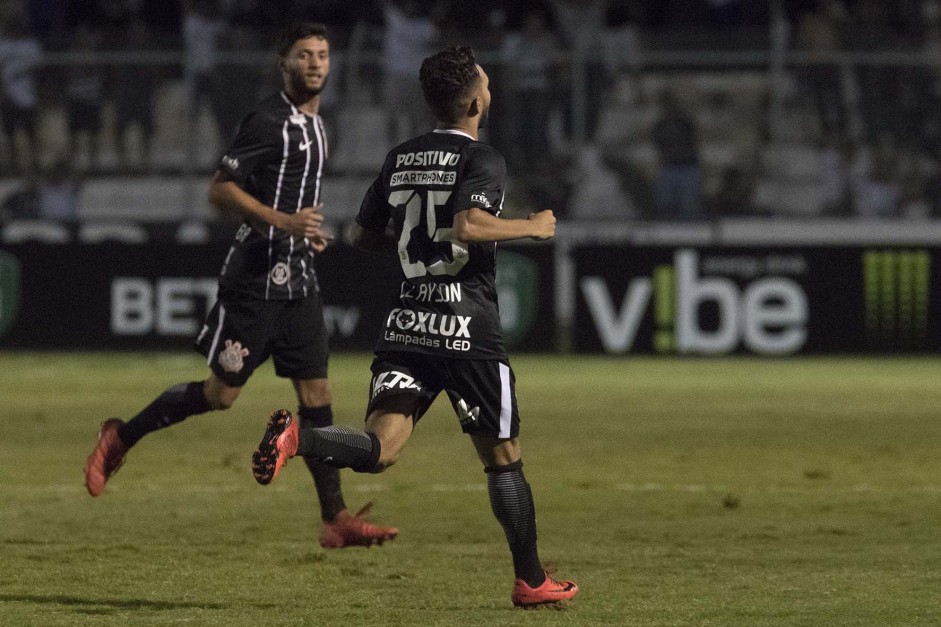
(294,32)
(447,80)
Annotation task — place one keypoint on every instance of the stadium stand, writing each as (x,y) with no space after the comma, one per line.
(767,145)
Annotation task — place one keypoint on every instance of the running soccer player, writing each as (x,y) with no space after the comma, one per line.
(269,303)
(443,193)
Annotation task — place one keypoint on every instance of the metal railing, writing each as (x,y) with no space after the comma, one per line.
(189,147)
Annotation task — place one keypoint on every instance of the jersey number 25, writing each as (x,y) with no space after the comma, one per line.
(413,202)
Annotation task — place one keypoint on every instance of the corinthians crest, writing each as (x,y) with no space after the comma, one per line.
(280,273)
(231,356)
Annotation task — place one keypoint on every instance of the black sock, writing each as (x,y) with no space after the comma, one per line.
(326,478)
(340,447)
(175,405)
(511,500)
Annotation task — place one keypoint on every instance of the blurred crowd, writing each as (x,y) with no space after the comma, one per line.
(617,145)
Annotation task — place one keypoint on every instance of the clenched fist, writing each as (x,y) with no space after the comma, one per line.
(543,223)
(305,223)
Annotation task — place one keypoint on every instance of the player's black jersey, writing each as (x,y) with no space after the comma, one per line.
(277,156)
(448,301)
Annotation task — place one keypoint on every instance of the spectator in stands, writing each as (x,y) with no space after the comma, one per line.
(623,43)
(59,190)
(913,193)
(871,31)
(582,26)
(410,35)
(724,14)
(48,18)
(84,92)
(529,58)
(203,29)
(931,179)
(821,31)
(22,202)
(482,22)
(923,118)
(236,90)
(597,194)
(878,192)
(20,55)
(734,193)
(108,17)
(836,174)
(134,92)
(678,183)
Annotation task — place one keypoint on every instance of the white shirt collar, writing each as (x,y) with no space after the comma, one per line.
(451,131)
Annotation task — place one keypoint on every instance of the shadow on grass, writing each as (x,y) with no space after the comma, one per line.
(122,604)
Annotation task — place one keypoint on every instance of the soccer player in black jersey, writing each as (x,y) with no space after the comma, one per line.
(269,302)
(443,194)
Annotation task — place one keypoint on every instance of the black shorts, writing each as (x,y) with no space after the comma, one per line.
(240,335)
(482,391)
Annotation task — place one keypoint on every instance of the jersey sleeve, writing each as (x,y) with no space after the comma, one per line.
(483,181)
(251,147)
(374,212)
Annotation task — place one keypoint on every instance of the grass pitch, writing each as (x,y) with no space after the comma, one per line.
(676,492)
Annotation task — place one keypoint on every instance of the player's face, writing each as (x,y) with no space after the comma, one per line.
(484,95)
(306,65)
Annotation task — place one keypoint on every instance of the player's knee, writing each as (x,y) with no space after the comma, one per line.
(314,392)
(385,462)
(498,469)
(218,394)
(221,399)
(319,399)
(379,458)
(218,403)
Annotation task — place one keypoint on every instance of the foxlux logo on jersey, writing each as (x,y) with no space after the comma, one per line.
(431,330)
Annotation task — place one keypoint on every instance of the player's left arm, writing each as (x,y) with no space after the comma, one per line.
(478,200)
(476,225)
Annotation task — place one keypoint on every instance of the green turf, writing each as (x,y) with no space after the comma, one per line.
(676,492)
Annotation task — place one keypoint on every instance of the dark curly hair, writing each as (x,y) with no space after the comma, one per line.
(294,32)
(447,80)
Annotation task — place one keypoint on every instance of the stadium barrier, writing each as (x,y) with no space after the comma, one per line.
(686,289)
(752,286)
(155,296)
(763,301)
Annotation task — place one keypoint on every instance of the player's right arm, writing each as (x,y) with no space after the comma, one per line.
(227,195)
(256,144)
(372,241)
(369,231)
